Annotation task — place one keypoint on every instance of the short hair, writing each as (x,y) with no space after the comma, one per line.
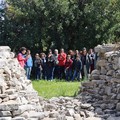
(37,54)
(22,49)
(41,54)
(61,49)
(56,50)
(68,55)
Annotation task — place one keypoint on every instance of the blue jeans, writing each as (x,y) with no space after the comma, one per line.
(50,72)
(68,74)
(37,74)
(76,74)
(28,72)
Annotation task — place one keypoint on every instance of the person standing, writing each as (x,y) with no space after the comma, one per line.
(21,57)
(44,66)
(56,62)
(68,68)
(77,68)
(92,60)
(61,64)
(50,66)
(85,63)
(76,53)
(28,64)
(38,67)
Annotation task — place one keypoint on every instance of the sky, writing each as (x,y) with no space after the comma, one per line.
(1,0)
(1,3)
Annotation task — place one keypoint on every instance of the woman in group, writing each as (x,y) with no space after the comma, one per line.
(28,64)
(44,66)
(21,57)
(38,67)
(50,66)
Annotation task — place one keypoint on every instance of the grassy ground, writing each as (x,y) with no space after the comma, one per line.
(49,89)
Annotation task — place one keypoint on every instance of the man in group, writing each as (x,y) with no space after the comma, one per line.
(85,63)
(50,66)
(68,68)
(56,62)
(62,60)
(92,57)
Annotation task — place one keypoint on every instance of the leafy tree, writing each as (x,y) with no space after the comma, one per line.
(72,24)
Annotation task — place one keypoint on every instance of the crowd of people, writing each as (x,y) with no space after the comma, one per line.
(73,65)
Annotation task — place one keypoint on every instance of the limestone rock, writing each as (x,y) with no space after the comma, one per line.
(85,106)
(5,114)
(9,106)
(113,118)
(118,106)
(5,118)
(93,118)
(69,118)
(77,117)
(99,111)
(70,112)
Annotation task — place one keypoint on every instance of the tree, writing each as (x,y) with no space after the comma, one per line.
(72,24)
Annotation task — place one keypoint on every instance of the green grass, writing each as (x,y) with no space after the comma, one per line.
(49,89)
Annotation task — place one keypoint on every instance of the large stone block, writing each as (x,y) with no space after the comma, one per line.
(101,63)
(22,109)
(9,106)
(5,118)
(118,106)
(39,115)
(5,114)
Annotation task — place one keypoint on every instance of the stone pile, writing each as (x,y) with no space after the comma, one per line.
(103,89)
(19,101)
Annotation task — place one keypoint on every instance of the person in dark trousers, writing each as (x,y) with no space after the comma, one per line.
(44,66)
(85,63)
(38,67)
(77,68)
(50,66)
(68,68)
(56,71)
(61,64)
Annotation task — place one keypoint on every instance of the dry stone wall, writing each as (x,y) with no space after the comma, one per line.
(103,89)
(17,96)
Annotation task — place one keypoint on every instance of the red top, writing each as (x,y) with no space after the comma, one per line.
(68,63)
(21,60)
(62,59)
